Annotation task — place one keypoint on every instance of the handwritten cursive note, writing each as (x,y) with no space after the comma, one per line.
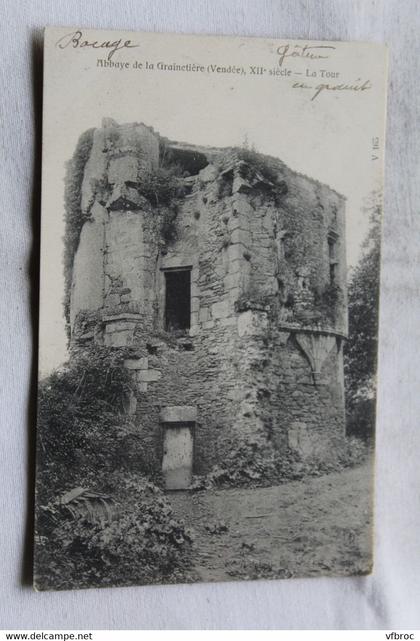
(308,52)
(76,40)
(325,86)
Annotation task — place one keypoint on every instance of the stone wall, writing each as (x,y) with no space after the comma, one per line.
(262,357)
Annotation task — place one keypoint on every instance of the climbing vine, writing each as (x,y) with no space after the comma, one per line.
(73,215)
(160,186)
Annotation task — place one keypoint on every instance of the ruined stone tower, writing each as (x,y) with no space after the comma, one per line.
(230,292)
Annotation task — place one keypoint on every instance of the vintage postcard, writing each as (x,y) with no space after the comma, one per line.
(211,213)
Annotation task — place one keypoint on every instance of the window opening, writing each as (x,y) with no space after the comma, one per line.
(177,299)
(332,256)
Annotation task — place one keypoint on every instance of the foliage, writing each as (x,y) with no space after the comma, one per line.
(251,465)
(258,162)
(168,227)
(248,464)
(74,218)
(80,416)
(355,453)
(162,185)
(360,419)
(254,299)
(143,544)
(360,352)
(326,302)
(85,439)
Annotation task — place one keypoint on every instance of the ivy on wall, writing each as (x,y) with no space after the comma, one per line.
(161,187)
(73,216)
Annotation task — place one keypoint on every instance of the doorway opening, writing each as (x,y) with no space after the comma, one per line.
(177,462)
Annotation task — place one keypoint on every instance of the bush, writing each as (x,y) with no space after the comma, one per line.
(85,439)
(326,302)
(259,163)
(162,185)
(360,419)
(82,426)
(249,464)
(144,544)
(252,465)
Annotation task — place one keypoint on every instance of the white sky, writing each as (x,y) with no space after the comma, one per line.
(329,139)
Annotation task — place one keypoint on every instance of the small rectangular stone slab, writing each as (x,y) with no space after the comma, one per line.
(136,363)
(178,414)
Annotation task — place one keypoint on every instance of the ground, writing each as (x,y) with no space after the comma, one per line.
(319,525)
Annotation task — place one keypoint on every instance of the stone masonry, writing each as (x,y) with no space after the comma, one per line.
(260,250)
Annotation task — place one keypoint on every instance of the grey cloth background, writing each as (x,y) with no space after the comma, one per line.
(390,598)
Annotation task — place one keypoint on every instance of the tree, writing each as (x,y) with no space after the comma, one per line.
(360,353)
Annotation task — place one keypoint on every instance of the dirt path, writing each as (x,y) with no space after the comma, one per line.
(320,525)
